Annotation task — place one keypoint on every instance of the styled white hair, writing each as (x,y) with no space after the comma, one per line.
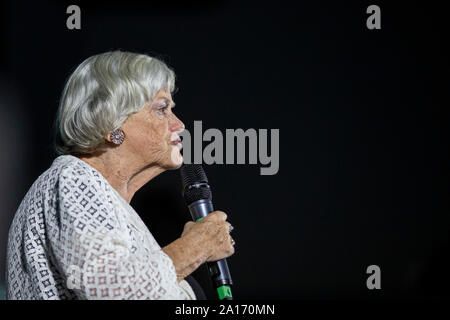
(100,95)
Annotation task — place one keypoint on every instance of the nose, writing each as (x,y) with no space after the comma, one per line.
(176,124)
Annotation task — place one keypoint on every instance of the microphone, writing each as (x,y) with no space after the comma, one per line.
(197,195)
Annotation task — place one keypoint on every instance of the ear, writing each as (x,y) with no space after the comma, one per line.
(107,136)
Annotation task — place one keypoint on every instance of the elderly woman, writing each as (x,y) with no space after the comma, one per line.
(75,235)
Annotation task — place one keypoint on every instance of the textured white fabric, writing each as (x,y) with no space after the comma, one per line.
(74,237)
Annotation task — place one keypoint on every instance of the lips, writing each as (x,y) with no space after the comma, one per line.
(176,141)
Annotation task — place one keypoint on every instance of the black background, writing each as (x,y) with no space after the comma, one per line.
(363,175)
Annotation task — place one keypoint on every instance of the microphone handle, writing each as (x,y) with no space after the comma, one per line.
(218,270)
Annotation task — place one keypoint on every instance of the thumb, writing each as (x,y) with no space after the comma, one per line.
(188,226)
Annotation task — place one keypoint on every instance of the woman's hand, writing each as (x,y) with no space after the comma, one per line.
(206,240)
(213,234)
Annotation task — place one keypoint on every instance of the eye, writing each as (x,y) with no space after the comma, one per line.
(163,109)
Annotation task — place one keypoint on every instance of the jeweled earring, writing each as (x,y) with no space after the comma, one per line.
(117,136)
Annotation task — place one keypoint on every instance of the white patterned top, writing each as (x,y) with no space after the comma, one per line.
(75,237)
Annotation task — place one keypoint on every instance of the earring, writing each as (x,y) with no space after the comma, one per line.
(117,136)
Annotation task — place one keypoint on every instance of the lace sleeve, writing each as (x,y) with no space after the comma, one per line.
(94,253)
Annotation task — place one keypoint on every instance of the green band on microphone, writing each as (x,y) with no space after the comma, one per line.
(199,219)
(224,292)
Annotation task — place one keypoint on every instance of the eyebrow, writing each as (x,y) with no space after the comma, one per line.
(169,102)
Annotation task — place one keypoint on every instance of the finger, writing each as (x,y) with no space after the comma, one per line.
(228,227)
(220,215)
(231,248)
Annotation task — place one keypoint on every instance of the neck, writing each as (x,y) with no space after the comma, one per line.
(124,175)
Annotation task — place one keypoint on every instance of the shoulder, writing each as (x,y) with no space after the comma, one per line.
(69,172)
(82,195)
(69,179)
(71,168)
(77,178)
(69,187)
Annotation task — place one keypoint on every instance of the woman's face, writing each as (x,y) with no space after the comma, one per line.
(152,133)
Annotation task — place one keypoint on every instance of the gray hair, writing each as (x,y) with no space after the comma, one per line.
(102,93)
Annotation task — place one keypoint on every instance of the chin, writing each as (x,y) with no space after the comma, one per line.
(173,166)
(177,166)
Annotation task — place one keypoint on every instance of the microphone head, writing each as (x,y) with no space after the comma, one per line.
(192,174)
(195,183)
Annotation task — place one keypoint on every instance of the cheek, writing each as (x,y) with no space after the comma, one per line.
(148,133)
(157,132)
